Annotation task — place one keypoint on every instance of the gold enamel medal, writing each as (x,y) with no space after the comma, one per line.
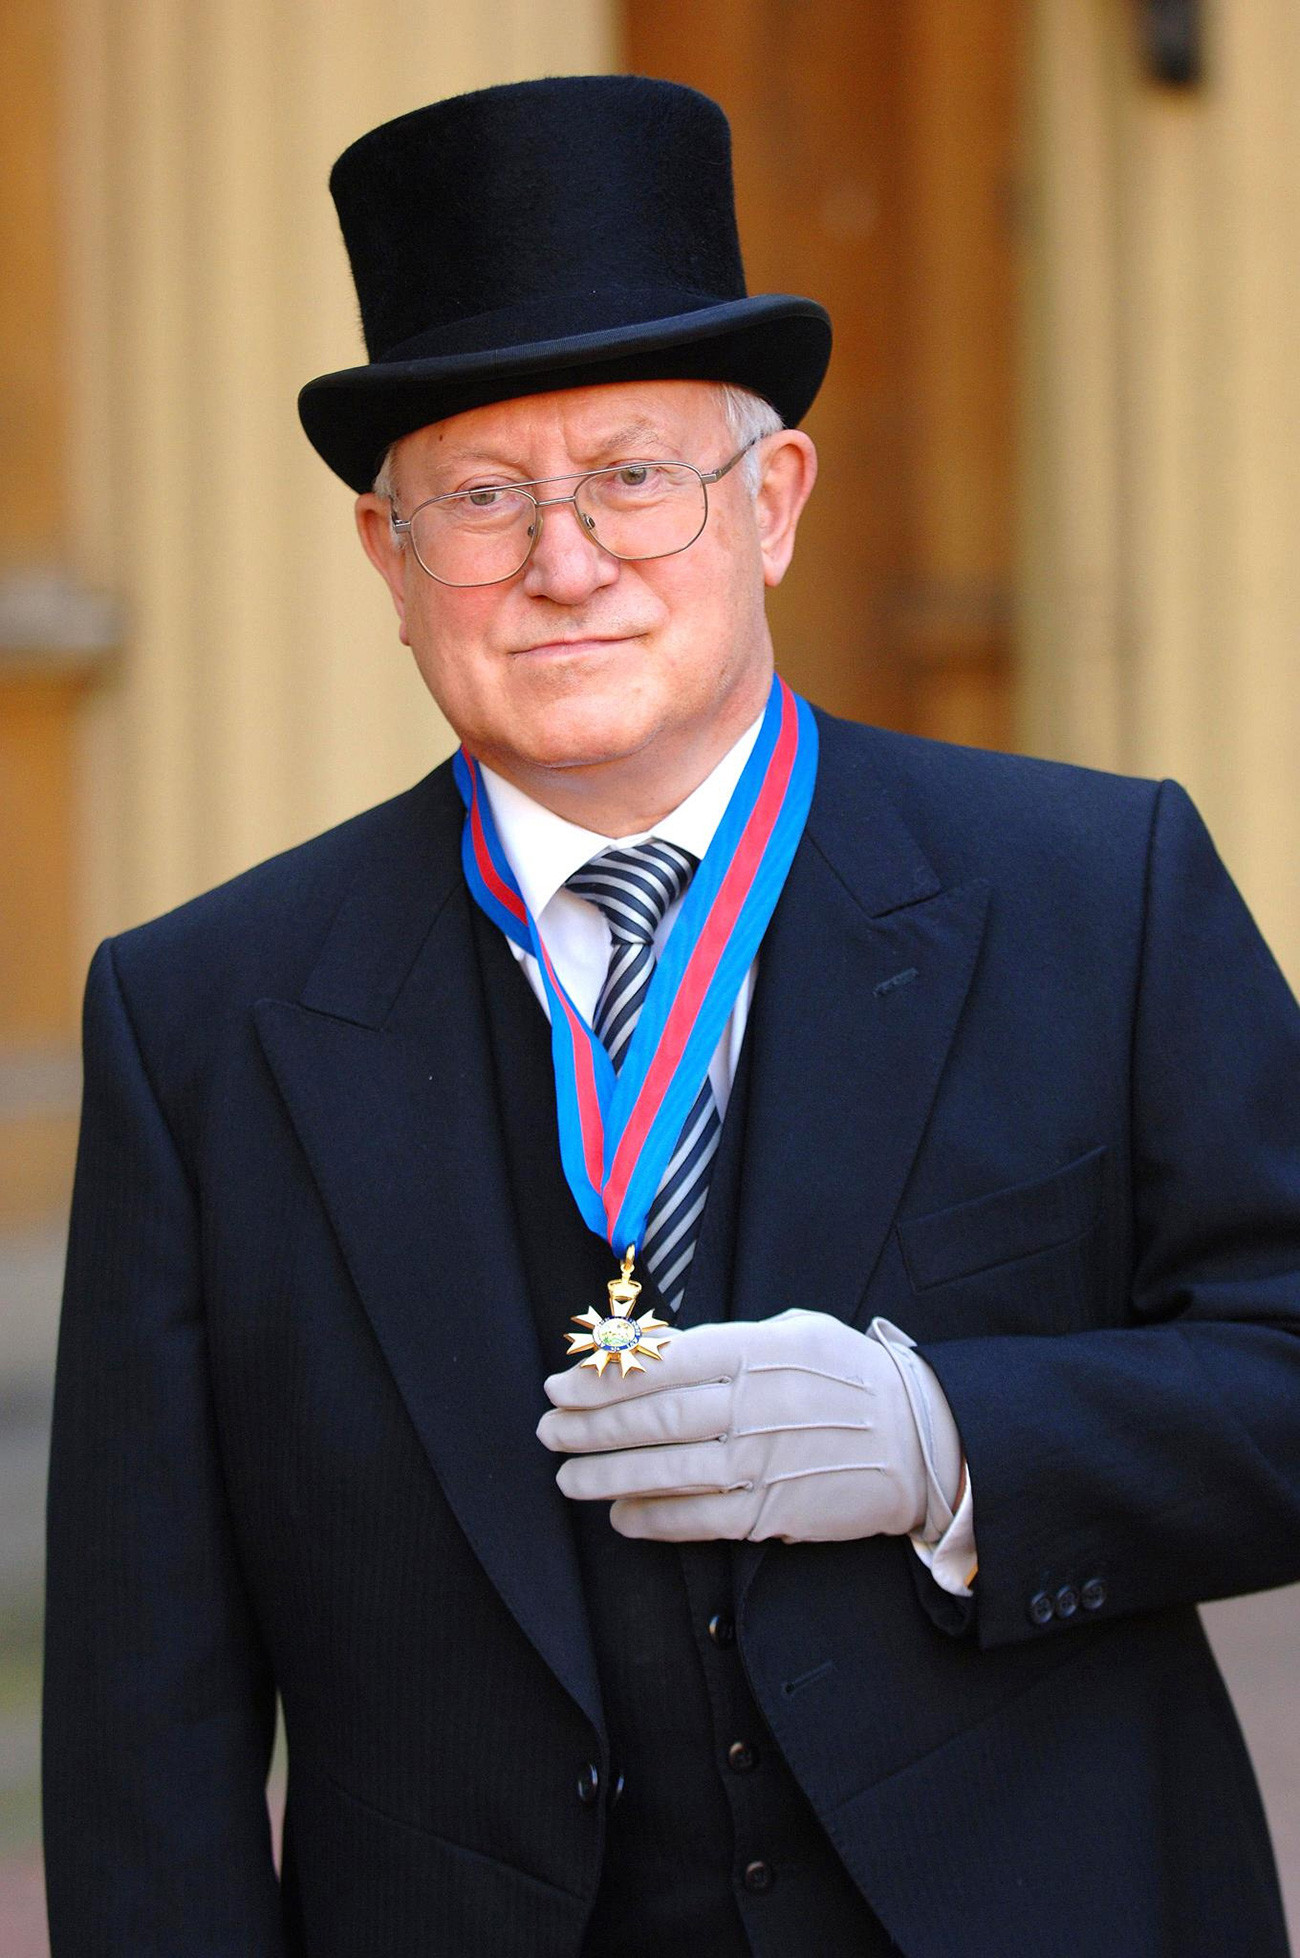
(619,1336)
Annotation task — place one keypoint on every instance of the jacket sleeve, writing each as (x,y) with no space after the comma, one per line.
(1157,1462)
(159,1702)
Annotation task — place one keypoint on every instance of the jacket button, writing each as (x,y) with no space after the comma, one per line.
(1041,1608)
(741,1757)
(1067,1601)
(616,1794)
(759,1876)
(1093,1594)
(589,1784)
(722,1629)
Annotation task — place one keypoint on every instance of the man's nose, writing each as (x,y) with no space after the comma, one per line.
(566,564)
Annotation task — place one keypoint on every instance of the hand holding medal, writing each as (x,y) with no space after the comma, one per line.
(798,1427)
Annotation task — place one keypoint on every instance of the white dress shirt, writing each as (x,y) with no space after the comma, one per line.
(543,851)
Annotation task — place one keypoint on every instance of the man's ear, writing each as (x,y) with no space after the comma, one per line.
(789,472)
(385,551)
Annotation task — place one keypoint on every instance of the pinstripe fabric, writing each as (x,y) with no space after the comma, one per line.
(633,887)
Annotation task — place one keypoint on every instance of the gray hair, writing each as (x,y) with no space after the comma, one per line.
(747,415)
(748,418)
(383,484)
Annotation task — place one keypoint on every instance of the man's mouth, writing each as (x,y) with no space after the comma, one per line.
(572,647)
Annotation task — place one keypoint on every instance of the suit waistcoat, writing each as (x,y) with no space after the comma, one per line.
(711,1844)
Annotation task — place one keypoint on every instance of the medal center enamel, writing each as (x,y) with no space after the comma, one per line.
(615,1334)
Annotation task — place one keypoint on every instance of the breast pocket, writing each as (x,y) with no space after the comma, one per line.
(1019,1260)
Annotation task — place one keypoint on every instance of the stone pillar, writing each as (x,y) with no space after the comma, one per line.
(262,693)
(1160,628)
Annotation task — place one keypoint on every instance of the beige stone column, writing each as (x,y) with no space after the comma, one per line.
(262,692)
(1160,630)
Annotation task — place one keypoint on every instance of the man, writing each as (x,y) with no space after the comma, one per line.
(831,1040)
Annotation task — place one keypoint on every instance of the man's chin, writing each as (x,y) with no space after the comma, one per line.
(590,738)
(594,756)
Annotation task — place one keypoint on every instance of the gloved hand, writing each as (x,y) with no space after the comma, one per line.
(797,1427)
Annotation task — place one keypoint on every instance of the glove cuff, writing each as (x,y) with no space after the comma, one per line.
(936,1431)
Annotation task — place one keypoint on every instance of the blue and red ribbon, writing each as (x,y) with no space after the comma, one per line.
(618,1131)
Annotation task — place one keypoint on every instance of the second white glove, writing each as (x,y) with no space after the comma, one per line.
(797,1427)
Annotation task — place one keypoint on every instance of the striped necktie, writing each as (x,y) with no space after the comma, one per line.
(633,887)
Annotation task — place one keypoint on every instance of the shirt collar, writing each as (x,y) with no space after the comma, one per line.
(544,850)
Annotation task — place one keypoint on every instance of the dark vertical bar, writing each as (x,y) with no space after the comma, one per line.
(1171,40)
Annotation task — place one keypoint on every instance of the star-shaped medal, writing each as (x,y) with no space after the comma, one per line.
(619,1336)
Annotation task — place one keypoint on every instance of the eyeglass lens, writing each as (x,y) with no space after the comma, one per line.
(632,510)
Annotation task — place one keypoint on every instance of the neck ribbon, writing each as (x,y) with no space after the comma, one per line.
(618,1131)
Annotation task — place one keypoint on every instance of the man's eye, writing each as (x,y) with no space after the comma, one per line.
(634,475)
(485,498)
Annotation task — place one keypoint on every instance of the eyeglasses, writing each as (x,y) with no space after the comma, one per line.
(633,510)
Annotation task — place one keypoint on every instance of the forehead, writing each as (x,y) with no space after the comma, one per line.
(581,425)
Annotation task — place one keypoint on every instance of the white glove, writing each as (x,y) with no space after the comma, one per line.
(797,1427)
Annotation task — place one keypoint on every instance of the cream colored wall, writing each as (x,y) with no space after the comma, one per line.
(262,694)
(1161,621)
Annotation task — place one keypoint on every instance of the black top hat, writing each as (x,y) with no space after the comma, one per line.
(548,235)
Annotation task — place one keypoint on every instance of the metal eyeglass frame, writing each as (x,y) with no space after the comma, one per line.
(540,504)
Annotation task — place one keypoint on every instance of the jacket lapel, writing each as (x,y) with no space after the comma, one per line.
(385,1069)
(863,974)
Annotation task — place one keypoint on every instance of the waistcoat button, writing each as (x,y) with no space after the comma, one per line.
(759,1876)
(741,1757)
(722,1629)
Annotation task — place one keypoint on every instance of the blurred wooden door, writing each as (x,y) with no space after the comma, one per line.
(45,662)
(874,144)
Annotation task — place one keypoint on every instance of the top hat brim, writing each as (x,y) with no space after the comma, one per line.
(773,343)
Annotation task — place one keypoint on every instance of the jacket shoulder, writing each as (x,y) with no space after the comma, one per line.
(261,932)
(979,812)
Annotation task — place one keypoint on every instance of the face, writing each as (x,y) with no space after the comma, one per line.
(583,673)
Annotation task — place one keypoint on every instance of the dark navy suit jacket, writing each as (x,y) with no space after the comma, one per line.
(1024,1079)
